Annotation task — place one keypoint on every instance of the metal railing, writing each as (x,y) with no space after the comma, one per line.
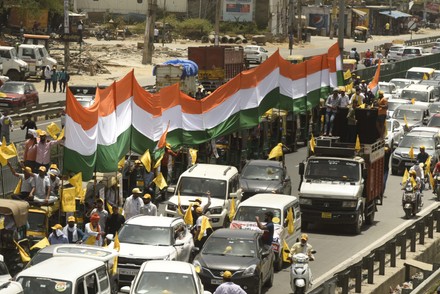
(376,259)
(40,111)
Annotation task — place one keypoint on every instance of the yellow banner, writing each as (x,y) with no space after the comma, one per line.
(68,199)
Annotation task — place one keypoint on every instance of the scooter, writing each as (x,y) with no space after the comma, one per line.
(411,200)
(300,274)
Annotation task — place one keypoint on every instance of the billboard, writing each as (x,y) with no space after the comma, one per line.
(238,10)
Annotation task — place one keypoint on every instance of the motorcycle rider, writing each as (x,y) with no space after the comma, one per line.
(422,156)
(418,169)
(303,247)
(435,173)
(417,187)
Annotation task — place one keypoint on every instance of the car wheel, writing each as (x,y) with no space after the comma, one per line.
(13,75)
(278,264)
(358,225)
(269,282)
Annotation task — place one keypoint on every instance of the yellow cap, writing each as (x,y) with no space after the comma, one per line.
(199,200)
(199,209)
(43,133)
(412,172)
(136,191)
(305,237)
(422,147)
(57,227)
(28,169)
(42,168)
(147,196)
(227,275)
(71,219)
(54,165)
(137,161)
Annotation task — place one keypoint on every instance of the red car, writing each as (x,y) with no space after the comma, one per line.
(18,94)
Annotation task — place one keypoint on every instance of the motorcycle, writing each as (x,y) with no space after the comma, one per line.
(437,186)
(300,274)
(411,200)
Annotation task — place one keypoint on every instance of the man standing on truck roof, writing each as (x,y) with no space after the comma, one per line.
(381,114)
(332,105)
(73,233)
(43,150)
(358,96)
(27,181)
(41,190)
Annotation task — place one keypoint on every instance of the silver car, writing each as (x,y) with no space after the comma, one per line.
(256,54)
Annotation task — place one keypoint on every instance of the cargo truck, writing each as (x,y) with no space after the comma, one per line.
(343,184)
(217,64)
(175,71)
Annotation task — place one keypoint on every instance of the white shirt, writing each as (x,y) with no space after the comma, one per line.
(26,184)
(88,232)
(344,101)
(229,288)
(149,209)
(41,185)
(132,207)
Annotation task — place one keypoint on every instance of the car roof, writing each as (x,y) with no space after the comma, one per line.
(168,266)
(16,82)
(421,69)
(426,129)
(418,87)
(210,171)
(232,233)
(421,134)
(269,200)
(62,268)
(413,106)
(265,162)
(152,221)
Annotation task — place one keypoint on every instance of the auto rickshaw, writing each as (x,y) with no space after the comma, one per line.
(41,219)
(294,59)
(349,64)
(361,33)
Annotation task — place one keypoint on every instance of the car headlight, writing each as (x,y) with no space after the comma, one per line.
(350,204)
(305,201)
(197,266)
(172,207)
(23,67)
(249,271)
(216,210)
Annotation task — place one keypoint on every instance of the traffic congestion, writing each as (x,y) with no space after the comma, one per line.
(103,202)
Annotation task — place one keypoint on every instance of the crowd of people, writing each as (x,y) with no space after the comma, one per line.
(55,78)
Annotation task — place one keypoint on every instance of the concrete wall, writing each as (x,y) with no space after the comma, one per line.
(126,7)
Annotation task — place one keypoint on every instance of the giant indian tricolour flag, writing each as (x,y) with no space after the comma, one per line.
(126,117)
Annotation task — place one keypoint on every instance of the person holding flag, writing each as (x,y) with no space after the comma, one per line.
(381,114)
(203,228)
(268,228)
(93,233)
(26,182)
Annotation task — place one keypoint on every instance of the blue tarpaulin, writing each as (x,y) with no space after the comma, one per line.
(190,68)
(395,13)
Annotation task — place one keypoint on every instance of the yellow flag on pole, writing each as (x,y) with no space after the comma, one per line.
(53,130)
(17,189)
(179,208)
(290,222)
(362,106)
(413,101)
(411,152)
(117,247)
(23,254)
(312,144)
(68,199)
(7,152)
(188,218)
(431,179)
(286,252)
(41,244)
(347,74)
(76,181)
(205,225)
(405,120)
(160,181)
(193,154)
(121,163)
(157,164)
(232,209)
(413,182)
(357,147)
(277,151)
(61,135)
(146,160)
(428,165)
(405,177)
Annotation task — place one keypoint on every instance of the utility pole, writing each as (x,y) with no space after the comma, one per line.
(147,50)
(217,22)
(299,23)
(341,25)
(163,22)
(66,32)
(333,19)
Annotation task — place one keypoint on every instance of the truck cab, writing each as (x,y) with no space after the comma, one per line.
(31,55)
(13,67)
(41,219)
(45,56)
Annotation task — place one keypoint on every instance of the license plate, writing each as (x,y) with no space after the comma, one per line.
(4,104)
(326,214)
(216,282)
(409,163)
(129,272)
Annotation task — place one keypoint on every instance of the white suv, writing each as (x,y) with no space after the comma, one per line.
(395,52)
(145,238)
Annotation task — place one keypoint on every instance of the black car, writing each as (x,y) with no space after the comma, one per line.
(264,176)
(242,253)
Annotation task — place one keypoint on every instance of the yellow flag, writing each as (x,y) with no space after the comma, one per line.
(232,209)
(312,144)
(349,87)
(428,165)
(425,77)
(109,208)
(205,225)
(386,131)
(76,181)
(23,254)
(157,164)
(413,182)
(413,101)
(53,130)
(179,208)
(431,179)
(117,247)
(41,244)
(286,252)
(68,199)
(7,152)
(121,163)
(160,181)
(405,177)
(347,74)
(2,222)
(17,189)
(290,222)
(188,218)
(411,152)
(193,153)
(357,147)
(276,151)
(61,135)
(362,105)
(146,160)
(405,120)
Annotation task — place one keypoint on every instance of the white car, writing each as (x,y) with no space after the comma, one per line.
(159,276)
(412,52)
(395,52)
(436,46)
(393,104)
(401,84)
(143,238)
(389,89)
(395,132)
(256,54)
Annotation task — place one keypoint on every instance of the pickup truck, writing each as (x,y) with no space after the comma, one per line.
(36,57)
(13,67)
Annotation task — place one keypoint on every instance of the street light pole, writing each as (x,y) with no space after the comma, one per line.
(217,22)
(341,25)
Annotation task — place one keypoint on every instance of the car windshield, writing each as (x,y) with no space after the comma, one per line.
(43,52)
(12,88)
(248,214)
(162,282)
(414,115)
(413,141)
(386,88)
(144,235)
(393,105)
(36,221)
(34,285)
(415,75)
(434,108)
(39,257)
(332,170)
(86,103)
(400,84)
(230,246)
(200,186)
(434,122)
(262,173)
(421,96)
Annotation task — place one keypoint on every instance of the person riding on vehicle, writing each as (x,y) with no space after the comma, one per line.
(302,247)
(422,156)
(417,185)
(418,169)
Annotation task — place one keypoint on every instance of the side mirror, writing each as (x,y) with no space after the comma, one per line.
(125,289)
(171,190)
(110,237)
(395,144)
